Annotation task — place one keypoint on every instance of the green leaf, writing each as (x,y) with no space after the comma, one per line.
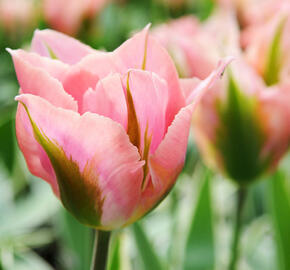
(199,252)
(30,211)
(201,8)
(145,249)
(28,261)
(273,64)
(7,143)
(279,198)
(114,261)
(78,238)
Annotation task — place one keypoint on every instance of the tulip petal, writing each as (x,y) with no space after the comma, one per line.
(187,85)
(76,149)
(99,63)
(274,107)
(108,100)
(167,161)
(150,97)
(66,49)
(77,81)
(53,67)
(198,92)
(144,51)
(37,81)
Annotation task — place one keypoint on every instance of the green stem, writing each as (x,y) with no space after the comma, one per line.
(100,252)
(241,198)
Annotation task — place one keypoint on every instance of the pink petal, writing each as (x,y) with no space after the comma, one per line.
(131,55)
(187,85)
(53,67)
(37,81)
(108,100)
(167,161)
(150,97)
(199,91)
(99,63)
(275,112)
(36,159)
(97,140)
(66,49)
(77,81)
(64,15)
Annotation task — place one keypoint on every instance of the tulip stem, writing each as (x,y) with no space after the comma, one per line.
(241,198)
(100,251)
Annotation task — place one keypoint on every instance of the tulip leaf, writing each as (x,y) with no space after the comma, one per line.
(240,137)
(114,261)
(29,260)
(145,249)
(7,147)
(78,238)
(199,252)
(273,64)
(279,198)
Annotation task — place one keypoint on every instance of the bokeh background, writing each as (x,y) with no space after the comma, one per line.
(190,229)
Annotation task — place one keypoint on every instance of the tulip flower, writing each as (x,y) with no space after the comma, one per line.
(250,12)
(268,45)
(68,15)
(195,47)
(243,130)
(107,131)
(15,13)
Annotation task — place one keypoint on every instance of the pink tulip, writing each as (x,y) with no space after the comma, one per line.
(251,12)
(260,11)
(107,131)
(195,47)
(15,13)
(268,47)
(67,15)
(243,130)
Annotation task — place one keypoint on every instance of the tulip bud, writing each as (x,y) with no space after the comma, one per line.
(267,47)
(243,130)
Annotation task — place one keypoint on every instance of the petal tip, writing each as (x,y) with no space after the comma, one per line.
(148,26)
(223,63)
(10,51)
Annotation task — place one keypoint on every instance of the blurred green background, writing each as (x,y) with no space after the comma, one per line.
(191,229)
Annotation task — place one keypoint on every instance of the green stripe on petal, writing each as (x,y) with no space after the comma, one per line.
(133,125)
(147,143)
(79,191)
(240,136)
(274,60)
(51,52)
(145,53)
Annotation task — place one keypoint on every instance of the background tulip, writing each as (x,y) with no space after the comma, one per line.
(248,131)
(197,47)
(267,47)
(67,16)
(111,133)
(17,19)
